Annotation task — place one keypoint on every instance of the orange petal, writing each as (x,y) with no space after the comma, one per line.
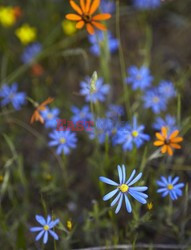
(80,25)
(174,145)
(158,143)
(164,132)
(99,26)
(174,134)
(94,6)
(87,8)
(101,17)
(76,7)
(90,29)
(159,136)
(176,139)
(82,5)
(169,150)
(73,17)
(164,149)
(47,101)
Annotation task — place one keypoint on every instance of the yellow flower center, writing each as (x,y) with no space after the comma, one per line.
(170,187)
(138,77)
(135,133)
(123,188)
(50,116)
(62,140)
(155,99)
(46,227)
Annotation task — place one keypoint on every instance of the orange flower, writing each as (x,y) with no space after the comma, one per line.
(36,115)
(167,143)
(85,16)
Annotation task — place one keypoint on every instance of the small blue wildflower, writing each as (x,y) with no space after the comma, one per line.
(82,114)
(10,95)
(97,41)
(64,140)
(139,78)
(107,6)
(130,135)
(169,122)
(114,111)
(155,100)
(45,228)
(94,92)
(170,186)
(167,89)
(31,52)
(123,188)
(146,4)
(50,117)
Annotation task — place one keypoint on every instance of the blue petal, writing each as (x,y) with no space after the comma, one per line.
(124,173)
(160,190)
(136,179)
(45,238)
(119,204)
(35,229)
(40,219)
(180,185)
(139,188)
(164,180)
(116,199)
(131,177)
(120,174)
(108,181)
(165,193)
(110,194)
(39,235)
(175,180)
(54,235)
(137,197)
(48,219)
(53,223)
(160,183)
(128,204)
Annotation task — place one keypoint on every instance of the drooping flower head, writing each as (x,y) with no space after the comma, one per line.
(50,117)
(139,78)
(131,134)
(124,188)
(169,186)
(26,34)
(9,94)
(146,4)
(169,122)
(45,228)
(36,116)
(85,15)
(97,41)
(167,89)
(168,141)
(31,52)
(154,100)
(94,90)
(64,140)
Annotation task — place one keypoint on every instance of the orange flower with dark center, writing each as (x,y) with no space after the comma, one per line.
(84,15)
(167,143)
(36,115)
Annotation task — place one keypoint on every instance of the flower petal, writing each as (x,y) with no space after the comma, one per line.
(54,235)
(174,145)
(116,199)
(40,219)
(144,188)
(36,229)
(169,150)
(45,238)
(99,26)
(87,7)
(164,149)
(94,6)
(176,179)
(82,5)
(110,194)
(158,143)
(123,173)
(73,17)
(90,29)
(159,136)
(174,134)
(164,132)
(177,139)
(131,176)
(80,25)
(120,174)
(136,179)
(137,197)
(39,235)
(108,181)
(128,204)
(119,204)
(101,17)
(76,7)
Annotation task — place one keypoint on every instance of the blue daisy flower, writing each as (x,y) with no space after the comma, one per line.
(82,114)
(45,229)
(124,188)
(114,111)
(169,186)
(169,122)
(130,135)
(64,140)
(155,100)
(9,94)
(107,6)
(94,92)
(31,52)
(50,117)
(167,89)
(97,42)
(146,4)
(139,78)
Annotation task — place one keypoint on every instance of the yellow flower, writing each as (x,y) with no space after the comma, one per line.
(150,206)
(69,225)
(26,34)
(7,16)
(68,27)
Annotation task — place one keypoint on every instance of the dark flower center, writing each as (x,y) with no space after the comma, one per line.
(87,18)
(167,141)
